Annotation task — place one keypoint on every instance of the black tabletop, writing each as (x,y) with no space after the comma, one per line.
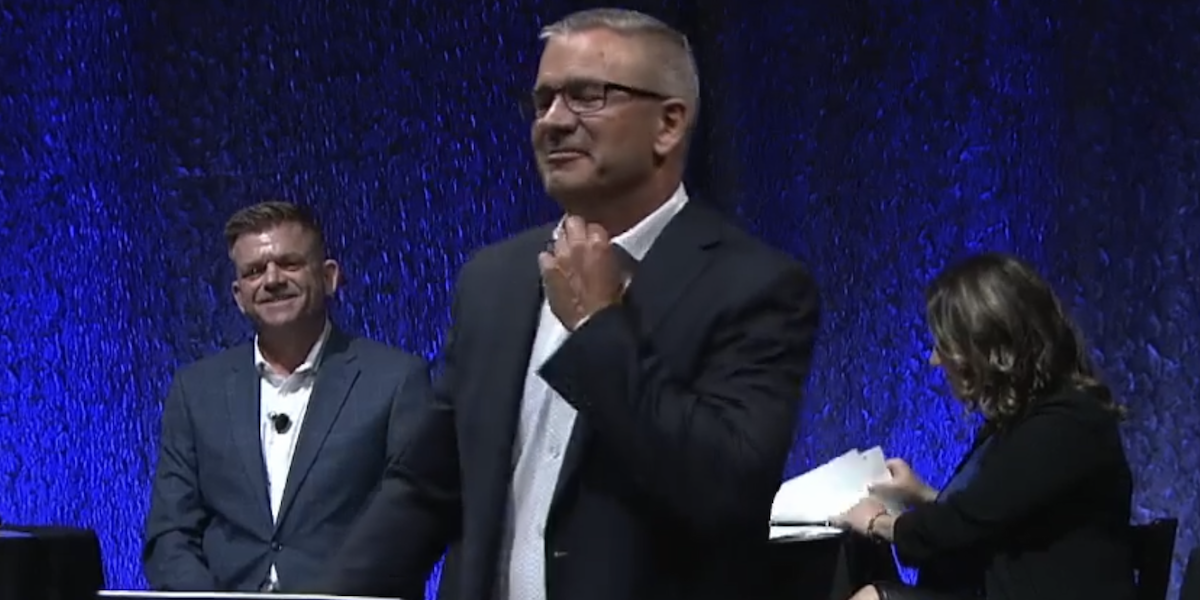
(49,563)
(830,568)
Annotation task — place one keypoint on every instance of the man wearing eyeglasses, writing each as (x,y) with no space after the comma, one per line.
(620,387)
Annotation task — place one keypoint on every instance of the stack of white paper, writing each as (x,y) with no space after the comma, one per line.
(811,499)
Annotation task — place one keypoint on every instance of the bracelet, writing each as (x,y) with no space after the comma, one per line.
(871,523)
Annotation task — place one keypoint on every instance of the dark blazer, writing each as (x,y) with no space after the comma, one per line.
(1047,513)
(210,525)
(686,395)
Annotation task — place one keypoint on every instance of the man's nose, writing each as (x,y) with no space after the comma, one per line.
(273,275)
(558,115)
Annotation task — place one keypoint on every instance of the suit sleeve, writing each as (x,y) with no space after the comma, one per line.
(412,394)
(711,450)
(1043,459)
(172,555)
(393,546)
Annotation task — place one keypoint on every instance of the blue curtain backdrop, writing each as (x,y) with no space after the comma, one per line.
(877,140)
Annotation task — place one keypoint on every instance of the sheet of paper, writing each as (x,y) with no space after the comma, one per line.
(802,533)
(875,465)
(830,489)
(796,501)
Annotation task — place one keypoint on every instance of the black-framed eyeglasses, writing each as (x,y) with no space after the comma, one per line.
(582,97)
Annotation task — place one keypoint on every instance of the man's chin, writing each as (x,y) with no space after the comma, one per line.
(565,185)
(277,323)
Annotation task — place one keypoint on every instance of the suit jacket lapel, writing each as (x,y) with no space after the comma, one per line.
(336,375)
(677,257)
(514,313)
(242,397)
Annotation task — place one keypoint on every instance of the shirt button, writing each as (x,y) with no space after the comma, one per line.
(276,546)
(554,452)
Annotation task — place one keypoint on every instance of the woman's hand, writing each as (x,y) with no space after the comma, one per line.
(860,515)
(905,486)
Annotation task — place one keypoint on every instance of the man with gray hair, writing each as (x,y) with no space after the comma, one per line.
(619,388)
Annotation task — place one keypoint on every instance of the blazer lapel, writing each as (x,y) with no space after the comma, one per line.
(674,261)
(336,375)
(514,311)
(677,257)
(242,397)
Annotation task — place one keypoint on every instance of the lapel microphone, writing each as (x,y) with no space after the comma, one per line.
(281,422)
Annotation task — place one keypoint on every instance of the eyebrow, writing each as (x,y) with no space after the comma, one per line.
(570,82)
(261,260)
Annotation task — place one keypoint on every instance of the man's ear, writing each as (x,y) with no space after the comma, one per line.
(332,272)
(235,288)
(673,126)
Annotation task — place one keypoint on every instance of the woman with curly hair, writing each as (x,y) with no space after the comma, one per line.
(1039,507)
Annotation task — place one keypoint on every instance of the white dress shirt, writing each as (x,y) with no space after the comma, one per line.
(283,394)
(542,435)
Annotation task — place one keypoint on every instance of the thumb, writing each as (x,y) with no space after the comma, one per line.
(895,465)
(547,262)
(882,486)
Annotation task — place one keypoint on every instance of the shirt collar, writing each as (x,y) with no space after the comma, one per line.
(638,239)
(310,362)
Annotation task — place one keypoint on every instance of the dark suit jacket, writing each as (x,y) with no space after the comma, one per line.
(686,395)
(210,525)
(1046,515)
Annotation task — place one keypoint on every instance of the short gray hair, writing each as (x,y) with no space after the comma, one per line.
(679,72)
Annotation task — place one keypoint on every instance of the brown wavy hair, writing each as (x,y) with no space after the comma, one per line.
(1004,339)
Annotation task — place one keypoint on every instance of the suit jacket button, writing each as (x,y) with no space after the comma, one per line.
(276,546)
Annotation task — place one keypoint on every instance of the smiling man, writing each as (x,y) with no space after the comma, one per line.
(270,449)
(620,386)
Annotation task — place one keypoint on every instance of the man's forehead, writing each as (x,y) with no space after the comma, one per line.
(278,232)
(280,240)
(592,54)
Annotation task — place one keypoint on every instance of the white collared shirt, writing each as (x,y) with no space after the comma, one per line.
(543,432)
(284,394)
